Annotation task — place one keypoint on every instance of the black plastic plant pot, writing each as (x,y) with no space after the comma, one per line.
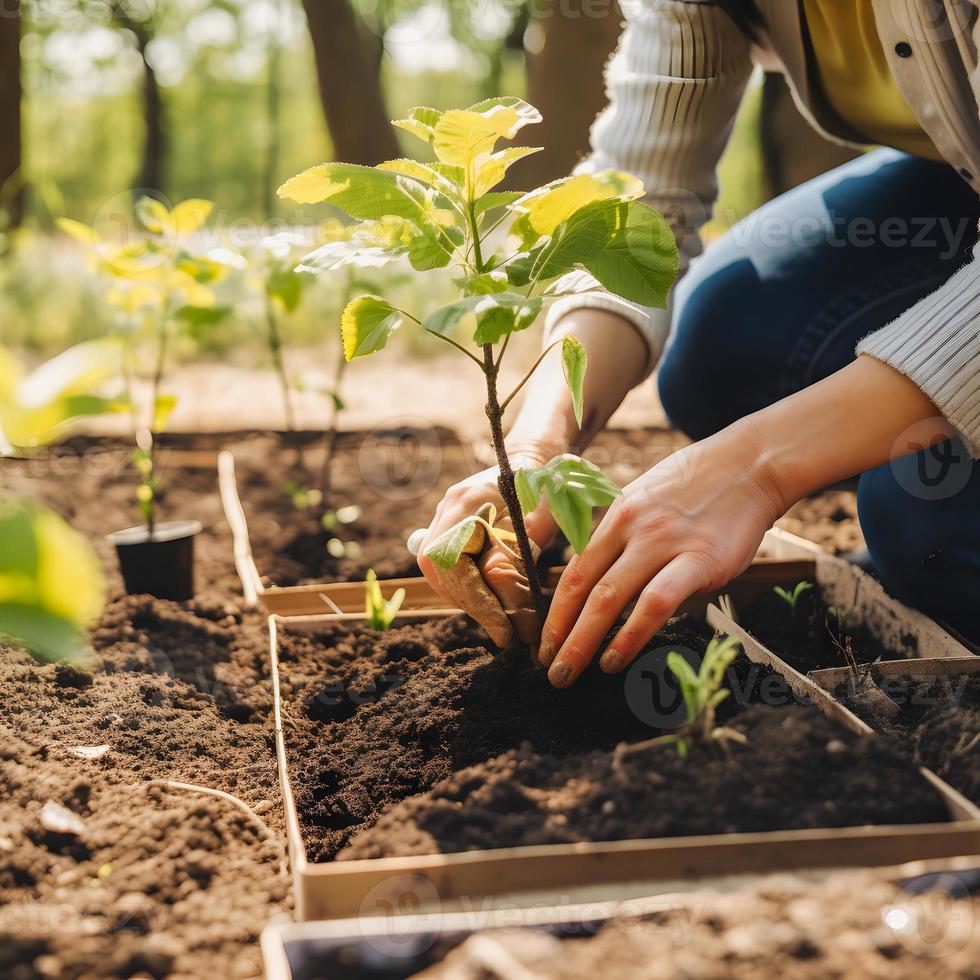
(162,566)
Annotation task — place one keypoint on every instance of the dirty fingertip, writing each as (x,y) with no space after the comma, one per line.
(560,675)
(611,662)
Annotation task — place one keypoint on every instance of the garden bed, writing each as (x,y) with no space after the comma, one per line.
(479,778)
(784,926)
(396,477)
(930,707)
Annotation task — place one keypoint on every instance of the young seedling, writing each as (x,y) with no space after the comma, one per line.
(791,597)
(159,283)
(702,693)
(379,612)
(513,253)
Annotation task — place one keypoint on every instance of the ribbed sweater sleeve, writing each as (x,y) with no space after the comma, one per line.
(674,87)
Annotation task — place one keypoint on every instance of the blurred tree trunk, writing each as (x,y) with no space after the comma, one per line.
(568,44)
(11,178)
(155,138)
(793,152)
(348,70)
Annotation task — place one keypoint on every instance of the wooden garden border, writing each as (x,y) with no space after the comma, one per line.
(562,873)
(394,930)
(346,599)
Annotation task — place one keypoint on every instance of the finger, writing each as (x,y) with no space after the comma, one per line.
(683,577)
(509,584)
(428,569)
(611,595)
(464,586)
(577,581)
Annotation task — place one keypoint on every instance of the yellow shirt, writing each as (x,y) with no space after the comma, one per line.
(856,79)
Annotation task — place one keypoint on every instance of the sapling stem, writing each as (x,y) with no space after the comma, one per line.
(332,433)
(278,363)
(163,340)
(505,482)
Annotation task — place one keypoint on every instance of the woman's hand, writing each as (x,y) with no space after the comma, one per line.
(505,579)
(688,525)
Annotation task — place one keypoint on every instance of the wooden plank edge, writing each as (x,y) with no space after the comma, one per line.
(231,503)
(959,806)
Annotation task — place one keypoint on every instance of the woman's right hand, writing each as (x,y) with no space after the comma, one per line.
(508,609)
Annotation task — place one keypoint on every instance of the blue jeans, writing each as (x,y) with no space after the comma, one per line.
(781,301)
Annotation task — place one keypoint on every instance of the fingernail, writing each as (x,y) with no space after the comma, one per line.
(546,652)
(611,662)
(560,675)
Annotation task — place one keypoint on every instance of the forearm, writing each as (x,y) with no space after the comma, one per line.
(860,417)
(546,425)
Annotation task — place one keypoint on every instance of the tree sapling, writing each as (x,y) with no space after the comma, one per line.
(447,213)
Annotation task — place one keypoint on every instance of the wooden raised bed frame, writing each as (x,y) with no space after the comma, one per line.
(562,873)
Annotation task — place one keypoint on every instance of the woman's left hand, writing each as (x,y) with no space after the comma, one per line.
(690,524)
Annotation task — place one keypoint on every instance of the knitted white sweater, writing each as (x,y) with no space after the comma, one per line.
(674,86)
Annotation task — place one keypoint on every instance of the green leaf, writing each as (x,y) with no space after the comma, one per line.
(447,549)
(574,361)
(363,192)
(688,681)
(432,247)
(495,199)
(626,246)
(571,487)
(366,324)
(202,316)
(286,286)
(482,284)
(497,314)
(640,261)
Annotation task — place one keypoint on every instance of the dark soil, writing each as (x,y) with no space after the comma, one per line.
(938,724)
(810,637)
(477,750)
(169,882)
(161,881)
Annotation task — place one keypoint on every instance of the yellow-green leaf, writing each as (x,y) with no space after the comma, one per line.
(548,206)
(574,362)
(366,324)
(163,408)
(190,215)
(80,232)
(495,169)
(420,121)
(155,216)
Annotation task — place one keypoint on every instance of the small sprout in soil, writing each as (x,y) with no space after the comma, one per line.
(513,253)
(791,597)
(702,693)
(380,612)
